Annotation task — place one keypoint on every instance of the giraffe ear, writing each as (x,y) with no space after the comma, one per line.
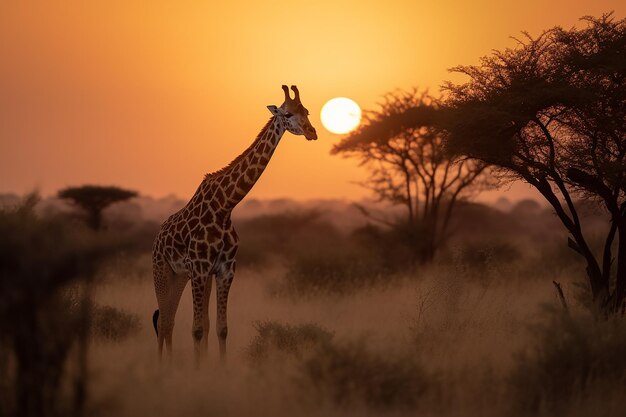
(276,111)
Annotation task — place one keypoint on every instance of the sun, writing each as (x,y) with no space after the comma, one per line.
(340,115)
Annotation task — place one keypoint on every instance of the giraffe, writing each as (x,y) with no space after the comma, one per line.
(199,241)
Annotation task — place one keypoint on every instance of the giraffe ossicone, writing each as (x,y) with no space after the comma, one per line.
(199,243)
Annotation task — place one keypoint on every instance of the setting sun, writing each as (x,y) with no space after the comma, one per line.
(340,115)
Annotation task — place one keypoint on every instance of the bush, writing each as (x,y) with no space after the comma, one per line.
(265,238)
(344,373)
(349,373)
(397,248)
(483,256)
(283,340)
(110,323)
(573,358)
(331,272)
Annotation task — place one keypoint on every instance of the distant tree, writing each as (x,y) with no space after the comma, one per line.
(408,166)
(552,112)
(94,199)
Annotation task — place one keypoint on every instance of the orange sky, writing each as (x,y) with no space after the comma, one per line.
(152,95)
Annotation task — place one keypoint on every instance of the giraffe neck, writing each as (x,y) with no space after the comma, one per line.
(238,178)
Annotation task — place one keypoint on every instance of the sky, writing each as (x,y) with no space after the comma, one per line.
(152,95)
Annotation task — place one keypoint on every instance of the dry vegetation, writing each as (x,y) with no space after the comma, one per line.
(327,322)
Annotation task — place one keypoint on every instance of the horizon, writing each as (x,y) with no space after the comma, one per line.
(522,192)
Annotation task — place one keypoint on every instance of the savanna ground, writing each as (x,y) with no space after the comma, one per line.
(323,322)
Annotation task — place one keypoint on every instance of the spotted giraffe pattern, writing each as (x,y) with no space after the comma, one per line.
(199,241)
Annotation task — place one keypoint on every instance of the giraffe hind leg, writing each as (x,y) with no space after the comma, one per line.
(169,288)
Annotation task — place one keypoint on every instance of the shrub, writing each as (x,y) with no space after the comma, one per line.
(280,340)
(482,256)
(344,373)
(349,373)
(287,234)
(573,358)
(331,272)
(396,248)
(110,323)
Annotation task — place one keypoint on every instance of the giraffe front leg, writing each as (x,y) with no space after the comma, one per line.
(223,281)
(200,288)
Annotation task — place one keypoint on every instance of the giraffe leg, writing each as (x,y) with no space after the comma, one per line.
(169,288)
(223,281)
(200,287)
(205,314)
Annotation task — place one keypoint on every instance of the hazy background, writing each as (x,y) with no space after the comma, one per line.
(151,96)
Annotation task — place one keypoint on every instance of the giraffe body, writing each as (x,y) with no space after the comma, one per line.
(199,243)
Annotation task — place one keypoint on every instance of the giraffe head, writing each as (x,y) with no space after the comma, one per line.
(294,114)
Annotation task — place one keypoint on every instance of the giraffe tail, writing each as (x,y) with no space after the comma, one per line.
(155,320)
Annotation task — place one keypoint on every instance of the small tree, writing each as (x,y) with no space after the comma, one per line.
(94,199)
(408,166)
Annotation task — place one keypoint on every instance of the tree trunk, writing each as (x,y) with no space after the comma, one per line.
(84,324)
(597,280)
(620,280)
(33,372)
(426,241)
(599,289)
(95,219)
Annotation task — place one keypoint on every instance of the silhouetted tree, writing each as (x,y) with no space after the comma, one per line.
(552,112)
(408,166)
(42,325)
(94,199)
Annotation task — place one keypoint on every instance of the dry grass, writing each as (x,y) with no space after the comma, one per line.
(328,328)
(432,342)
(570,358)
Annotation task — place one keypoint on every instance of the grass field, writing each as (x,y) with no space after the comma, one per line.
(461,340)
(322,322)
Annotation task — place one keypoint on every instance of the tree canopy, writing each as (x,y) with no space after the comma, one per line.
(94,199)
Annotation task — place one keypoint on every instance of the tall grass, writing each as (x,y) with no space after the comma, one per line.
(344,373)
(349,373)
(571,358)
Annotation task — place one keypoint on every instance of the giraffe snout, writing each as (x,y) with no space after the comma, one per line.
(310,133)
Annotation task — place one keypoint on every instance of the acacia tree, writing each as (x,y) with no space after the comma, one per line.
(93,199)
(408,166)
(552,112)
